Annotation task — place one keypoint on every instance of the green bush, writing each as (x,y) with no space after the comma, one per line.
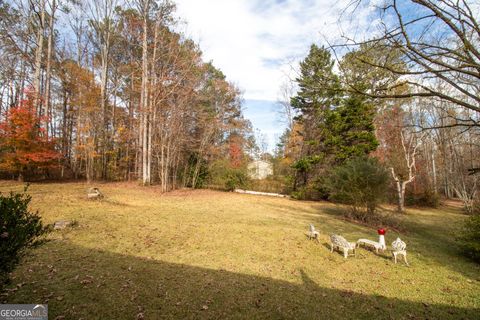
(360,183)
(19,229)
(222,175)
(299,194)
(235,179)
(314,191)
(470,239)
(271,184)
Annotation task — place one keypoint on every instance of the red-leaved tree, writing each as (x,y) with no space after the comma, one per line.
(235,152)
(24,146)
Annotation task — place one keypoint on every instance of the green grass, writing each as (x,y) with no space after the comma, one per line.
(213,255)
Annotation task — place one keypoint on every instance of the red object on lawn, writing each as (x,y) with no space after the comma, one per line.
(381,231)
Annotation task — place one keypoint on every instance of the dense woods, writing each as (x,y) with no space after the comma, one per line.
(116,91)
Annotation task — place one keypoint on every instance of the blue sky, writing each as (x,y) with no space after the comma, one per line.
(258,44)
(265,117)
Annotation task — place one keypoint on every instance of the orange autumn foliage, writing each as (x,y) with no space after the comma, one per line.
(23,143)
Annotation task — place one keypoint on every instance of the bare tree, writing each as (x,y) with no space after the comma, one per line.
(144,10)
(48,72)
(287,91)
(102,19)
(410,146)
(438,40)
(40,6)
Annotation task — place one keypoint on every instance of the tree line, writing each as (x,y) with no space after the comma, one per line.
(407,96)
(112,90)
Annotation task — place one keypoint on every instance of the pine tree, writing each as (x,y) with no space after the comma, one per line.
(318,85)
(349,130)
(318,94)
(337,125)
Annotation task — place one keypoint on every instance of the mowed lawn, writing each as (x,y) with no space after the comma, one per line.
(203,254)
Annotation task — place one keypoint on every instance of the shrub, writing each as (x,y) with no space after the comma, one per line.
(271,184)
(360,183)
(312,191)
(299,194)
(19,229)
(235,178)
(470,239)
(197,173)
(427,198)
(222,175)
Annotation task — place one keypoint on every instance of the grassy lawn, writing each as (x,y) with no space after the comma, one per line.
(213,255)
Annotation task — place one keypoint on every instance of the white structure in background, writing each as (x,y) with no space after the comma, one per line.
(260,169)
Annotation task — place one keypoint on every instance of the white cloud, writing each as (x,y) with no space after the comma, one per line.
(257,42)
(254,41)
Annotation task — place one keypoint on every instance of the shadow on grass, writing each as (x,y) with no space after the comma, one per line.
(89,284)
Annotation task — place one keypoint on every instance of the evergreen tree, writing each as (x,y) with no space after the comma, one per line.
(318,85)
(337,125)
(317,94)
(349,130)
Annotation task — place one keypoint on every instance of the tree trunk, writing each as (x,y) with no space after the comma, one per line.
(38,58)
(401,195)
(144,103)
(151,104)
(104,106)
(401,186)
(23,70)
(434,171)
(49,64)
